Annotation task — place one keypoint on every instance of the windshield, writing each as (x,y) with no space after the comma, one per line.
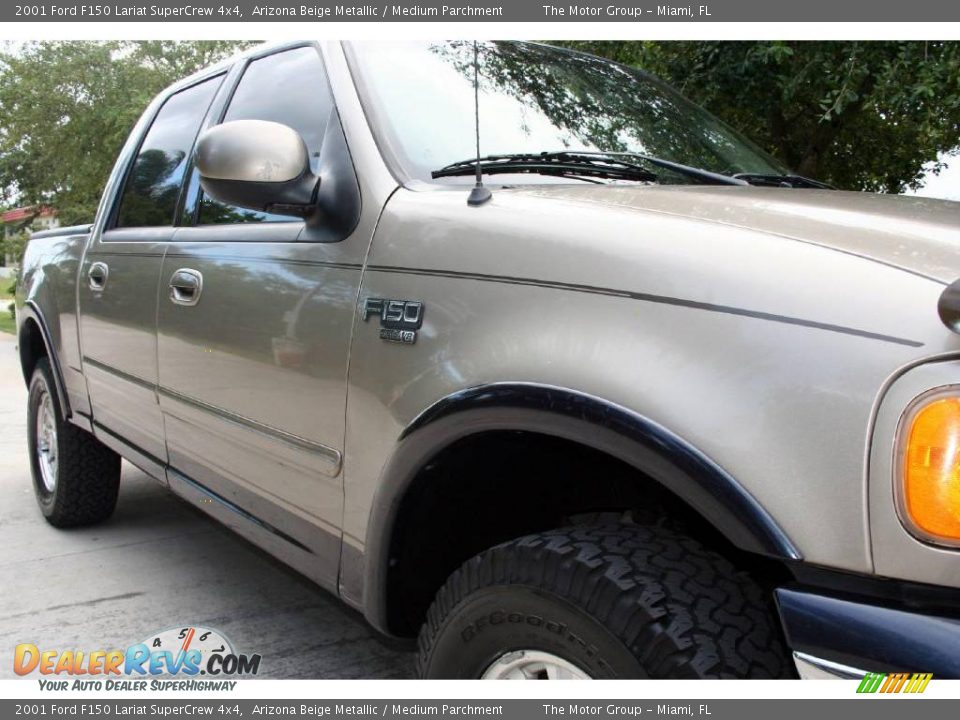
(535,98)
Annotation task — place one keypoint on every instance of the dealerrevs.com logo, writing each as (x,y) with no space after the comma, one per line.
(185,652)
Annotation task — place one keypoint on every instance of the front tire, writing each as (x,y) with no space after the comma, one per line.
(76,478)
(604,601)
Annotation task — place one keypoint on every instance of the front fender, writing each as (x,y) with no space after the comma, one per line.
(761,354)
(576,416)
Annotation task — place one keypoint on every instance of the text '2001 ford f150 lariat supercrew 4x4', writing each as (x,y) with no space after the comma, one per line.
(656,408)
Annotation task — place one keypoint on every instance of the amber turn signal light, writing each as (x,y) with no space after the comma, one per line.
(931,470)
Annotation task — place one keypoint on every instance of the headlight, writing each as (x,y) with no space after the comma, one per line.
(928,494)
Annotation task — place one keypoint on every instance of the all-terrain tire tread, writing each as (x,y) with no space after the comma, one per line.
(683,610)
(88,474)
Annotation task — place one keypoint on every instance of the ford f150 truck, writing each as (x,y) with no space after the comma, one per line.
(633,401)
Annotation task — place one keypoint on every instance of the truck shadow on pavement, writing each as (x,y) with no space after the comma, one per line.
(159,563)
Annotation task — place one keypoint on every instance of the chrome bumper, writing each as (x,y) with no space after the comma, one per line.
(841,637)
(814,668)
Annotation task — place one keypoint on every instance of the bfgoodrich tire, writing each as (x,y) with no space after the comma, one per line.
(605,601)
(75,477)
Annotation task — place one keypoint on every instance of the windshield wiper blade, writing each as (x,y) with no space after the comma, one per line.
(584,163)
(788,181)
(759,179)
(559,164)
(707,177)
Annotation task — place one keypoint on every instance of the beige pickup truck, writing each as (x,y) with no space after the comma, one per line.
(645,404)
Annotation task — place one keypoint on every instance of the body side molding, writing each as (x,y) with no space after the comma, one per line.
(580,417)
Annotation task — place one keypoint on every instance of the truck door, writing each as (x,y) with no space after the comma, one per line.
(254,321)
(120,273)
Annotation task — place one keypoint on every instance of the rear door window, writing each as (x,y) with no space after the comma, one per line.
(153,184)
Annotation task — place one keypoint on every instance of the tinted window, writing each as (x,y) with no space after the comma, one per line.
(536,98)
(150,195)
(290,88)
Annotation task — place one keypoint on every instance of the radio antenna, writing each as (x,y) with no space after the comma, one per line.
(479,194)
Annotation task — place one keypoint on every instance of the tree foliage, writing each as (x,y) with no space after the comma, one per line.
(859,115)
(67,108)
(584,100)
(864,115)
(13,245)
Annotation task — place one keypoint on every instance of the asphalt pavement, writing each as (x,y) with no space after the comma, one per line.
(159,563)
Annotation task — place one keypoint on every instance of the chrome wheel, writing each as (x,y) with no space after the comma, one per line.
(47,441)
(533,665)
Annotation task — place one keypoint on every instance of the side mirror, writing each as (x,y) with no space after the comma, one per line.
(258,165)
(948,307)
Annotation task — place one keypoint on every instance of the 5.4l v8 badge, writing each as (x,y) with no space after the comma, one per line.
(399,319)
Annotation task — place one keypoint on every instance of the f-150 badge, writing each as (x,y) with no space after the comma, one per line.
(399,319)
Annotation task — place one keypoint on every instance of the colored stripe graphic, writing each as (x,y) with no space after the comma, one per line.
(894,682)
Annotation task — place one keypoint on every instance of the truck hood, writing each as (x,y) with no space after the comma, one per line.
(919,235)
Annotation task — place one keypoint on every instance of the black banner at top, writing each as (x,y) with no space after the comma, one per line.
(626,11)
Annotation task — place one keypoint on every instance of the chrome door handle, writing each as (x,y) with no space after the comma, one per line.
(185,287)
(97,275)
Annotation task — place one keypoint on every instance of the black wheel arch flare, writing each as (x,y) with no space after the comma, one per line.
(605,426)
(31,313)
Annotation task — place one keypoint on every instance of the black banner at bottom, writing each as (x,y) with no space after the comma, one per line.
(872,706)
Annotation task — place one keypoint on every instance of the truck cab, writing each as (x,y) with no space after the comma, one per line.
(649,405)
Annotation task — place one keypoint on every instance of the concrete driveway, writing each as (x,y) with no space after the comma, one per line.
(158,563)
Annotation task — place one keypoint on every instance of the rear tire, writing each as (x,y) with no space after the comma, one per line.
(76,478)
(612,600)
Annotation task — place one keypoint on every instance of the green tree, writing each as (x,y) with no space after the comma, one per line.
(13,245)
(67,108)
(859,115)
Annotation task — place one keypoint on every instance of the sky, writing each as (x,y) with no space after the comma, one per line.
(946,185)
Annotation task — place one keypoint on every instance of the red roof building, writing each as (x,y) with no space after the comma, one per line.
(13,221)
(21,214)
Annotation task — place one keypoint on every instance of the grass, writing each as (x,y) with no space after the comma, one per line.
(6,319)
